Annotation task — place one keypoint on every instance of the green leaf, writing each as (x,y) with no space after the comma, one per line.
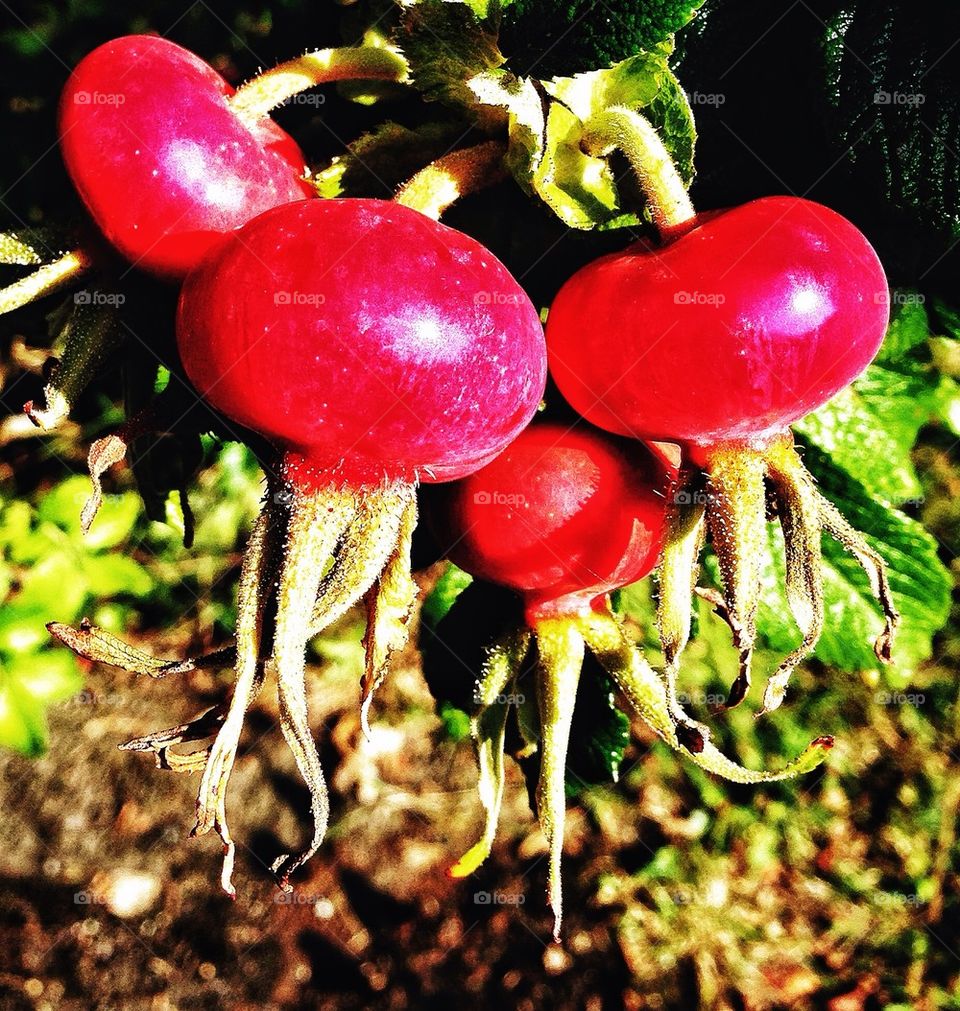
(54,586)
(446,44)
(444,594)
(548,37)
(897,107)
(379,161)
(27,686)
(113,525)
(114,574)
(921,585)
(599,735)
(869,428)
(519,98)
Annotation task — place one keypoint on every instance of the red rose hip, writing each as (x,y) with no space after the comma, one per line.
(163,163)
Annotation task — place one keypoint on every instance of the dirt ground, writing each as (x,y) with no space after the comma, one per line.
(107,903)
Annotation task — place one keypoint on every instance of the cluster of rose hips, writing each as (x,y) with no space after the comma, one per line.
(378,350)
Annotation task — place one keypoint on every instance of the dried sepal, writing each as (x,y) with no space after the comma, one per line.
(560,648)
(100,646)
(678,571)
(737,521)
(390,604)
(488,728)
(646,694)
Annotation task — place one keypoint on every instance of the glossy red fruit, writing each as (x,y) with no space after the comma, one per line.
(363,335)
(749,321)
(563,516)
(163,164)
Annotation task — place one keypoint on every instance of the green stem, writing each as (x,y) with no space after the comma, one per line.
(626,129)
(45,280)
(258,97)
(441,183)
(90,336)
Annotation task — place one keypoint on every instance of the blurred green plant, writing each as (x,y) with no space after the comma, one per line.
(50,571)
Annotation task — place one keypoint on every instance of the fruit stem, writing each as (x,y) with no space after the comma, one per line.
(435,188)
(45,280)
(631,132)
(91,334)
(255,99)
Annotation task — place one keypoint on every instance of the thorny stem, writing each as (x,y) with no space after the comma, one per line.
(45,280)
(631,132)
(561,650)
(435,188)
(255,99)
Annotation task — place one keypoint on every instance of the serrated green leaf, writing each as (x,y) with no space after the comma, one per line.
(869,428)
(553,37)
(896,104)
(446,44)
